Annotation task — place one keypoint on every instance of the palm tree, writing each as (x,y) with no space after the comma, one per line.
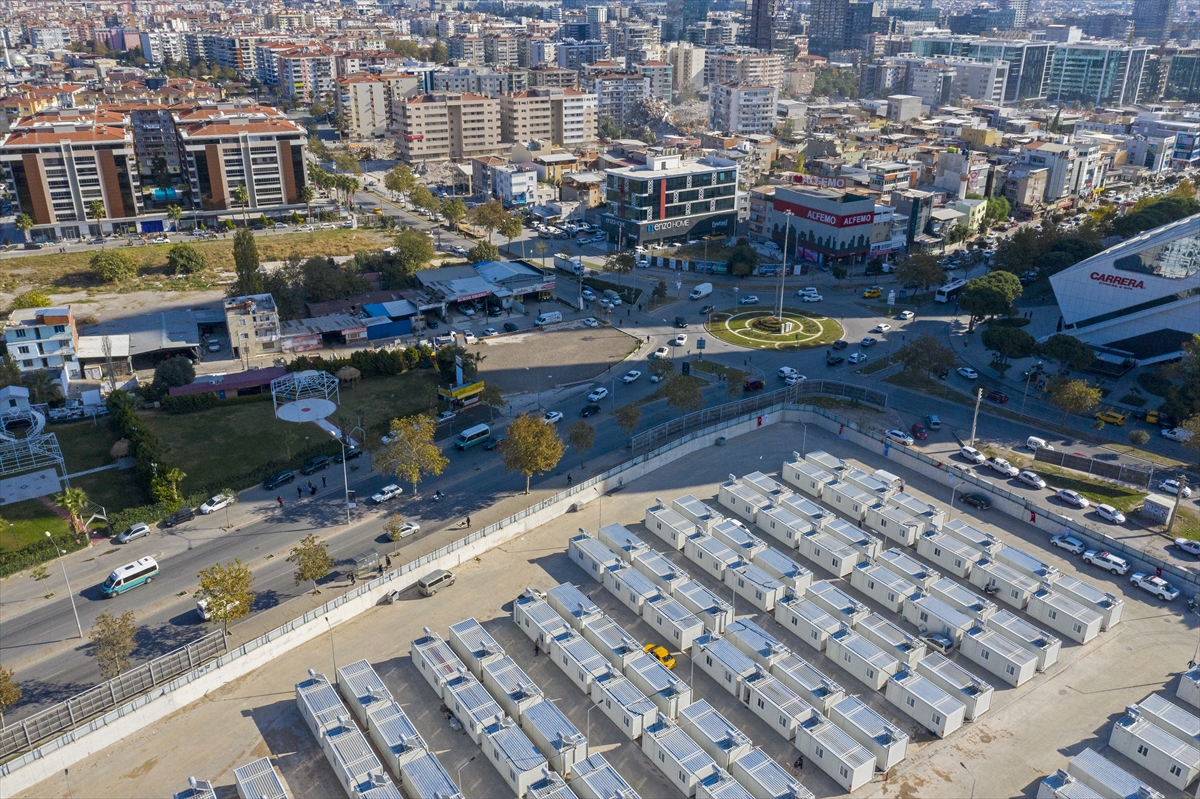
(173,477)
(174,213)
(24,223)
(73,501)
(306,197)
(241,196)
(43,388)
(96,209)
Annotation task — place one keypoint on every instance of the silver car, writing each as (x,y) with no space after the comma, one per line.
(138,530)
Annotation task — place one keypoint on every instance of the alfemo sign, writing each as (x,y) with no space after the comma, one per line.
(1118,281)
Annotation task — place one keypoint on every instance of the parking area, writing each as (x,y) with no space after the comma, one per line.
(537,360)
(1028,733)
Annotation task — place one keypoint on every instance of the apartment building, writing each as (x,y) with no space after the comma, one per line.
(44,340)
(1028,60)
(253,324)
(741,109)
(362,101)
(573,54)
(661,81)
(748,68)
(617,93)
(501,51)
(469,49)
(553,76)
(564,117)
(536,52)
(447,127)
(514,184)
(687,65)
(307,76)
(479,80)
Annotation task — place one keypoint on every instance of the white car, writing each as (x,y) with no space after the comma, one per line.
(1106,560)
(631,375)
(906,315)
(409,528)
(390,437)
(786,371)
(882,327)
(489,331)
(807,290)
(215,503)
(1177,434)
(1069,543)
(900,437)
(552,417)
(1188,545)
(1172,487)
(1031,479)
(661,352)
(467,312)
(446,416)
(605,302)
(794,380)
(811,298)
(1072,497)
(968,372)
(972,454)
(590,322)
(1001,466)
(857,357)
(749,299)
(598,394)
(387,492)
(1155,585)
(1109,513)
(680,340)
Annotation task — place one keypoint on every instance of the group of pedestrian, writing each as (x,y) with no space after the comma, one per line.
(312,490)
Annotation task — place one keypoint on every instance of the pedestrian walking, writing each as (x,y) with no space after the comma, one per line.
(280,501)
(312,490)
(322,481)
(536,647)
(387,559)
(467,523)
(299,492)
(799,764)
(380,569)
(353,578)
(1158,571)
(568,478)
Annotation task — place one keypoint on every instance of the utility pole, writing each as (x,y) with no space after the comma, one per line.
(787,227)
(975,417)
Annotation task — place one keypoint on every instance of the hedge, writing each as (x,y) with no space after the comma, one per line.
(151,514)
(193,403)
(39,552)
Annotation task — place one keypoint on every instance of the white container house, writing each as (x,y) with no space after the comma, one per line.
(948,554)
(890,480)
(908,567)
(974,693)
(698,513)
(675,623)
(669,693)
(623,703)
(891,639)
(847,500)
(895,524)
(559,741)
(931,615)
(753,584)
(1027,564)
(424,777)
(962,599)
(710,555)
(592,556)
(1107,779)
(776,704)
(806,620)
(877,490)
(436,661)
(1010,662)
(259,780)
(1061,785)
(869,664)
(824,460)
(923,700)
(806,477)
(1064,615)
(829,553)
(807,682)
(836,602)
(765,779)
(1107,605)
(511,687)
(723,742)
(769,487)
(1166,715)
(887,742)
(612,642)
(595,778)
(795,578)
(513,755)
(394,734)
(472,705)
(632,588)
(741,500)
(661,571)
(669,525)
(985,542)
(711,609)
(844,759)
(319,705)
(755,642)
(1155,749)
(882,584)
(678,757)
(539,621)
(550,786)
(932,516)
(807,510)
(1189,687)
(738,537)
(474,645)
(577,659)
(783,525)
(1041,643)
(852,536)
(721,785)
(362,689)
(724,662)
(1003,582)
(571,603)
(622,542)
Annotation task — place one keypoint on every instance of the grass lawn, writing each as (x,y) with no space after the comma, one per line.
(925,383)
(1120,497)
(735,327)
(1161,460)
(713,368)
(696,252)
(23,523)
(875,366)
(1187,525)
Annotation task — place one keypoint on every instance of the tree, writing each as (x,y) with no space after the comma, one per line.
(318,149)
(347,164)
(492,398)
(24,223)
(446,362)
(662,368)
(532,446)
(30,299)
(111,266)
(920,269)
(1192,425)
(174,213)
(73,501)
(1073,396)
(174,372)
(488,216)
(683,393)
(926,353)
(164,487)
(113,641)
(1019,251)
(400,181)
(423,198)
(228,592)
(628,417)
(455,210)
(394,527)
(510,227)
(1067,351)
(40,574)
(1009,342)
(241,196)
(43,388)
(997,210)
(483,251)
(540,248)
(412,453)
(582,437)
(184,259)
(743,259)
(307,194)
(10,692)
(312,560)
(412,250)
(96,209)
(249,279)
(620,263)
(1138,437)
(10,373)
(990,295)
(957,233)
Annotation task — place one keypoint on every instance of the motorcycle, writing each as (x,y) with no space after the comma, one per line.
(437,496)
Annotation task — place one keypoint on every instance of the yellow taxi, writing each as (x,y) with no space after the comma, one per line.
(659,651)
(1110,417)
(872,293)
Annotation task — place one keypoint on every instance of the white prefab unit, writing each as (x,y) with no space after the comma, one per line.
(437,662)
(560,741)
(985,542)
(721,785)
(931,615)
(710,555)
(738,537)
(1003,582)
(710,608)
(847,500)
(835,752)
(948,553)
(723,742)
(869,664)
(550,786)
(822,459)
(741,499)
(577,659)
(669,525)
(1027,564)
(610,639)
(1041,643)
(258,780)
(677,625)
(765,779)
(622,542)
(1107,779)
(592,556)
(852,536)
(631,587)
(511,687)
(669,693)
(807,510)
(974,693)
(595,778)
(891,639)
(808,478)
(698,513)
(829,553)
(623,703)
(1189,687)
(1010,662)
(320,705)
(472,705)
(806,620)
(362,689)
(752,583)
(571,603)
(513,755)
(776,704)
(724,662)
(895,524)
(877,490)
(783,525)
(962,599)
(1061,785)
(890,480)
(909,568)
(197,789)
(1155,749)
(424,777)
(661,571)
(539,621)
(795,578)
(923,700)
(395,736)
(1064,615)
(755,642)
(887,742)
(933,516)
(1164,714)
(474,645)
(808,682)
(882,584)
(769,487)
(678,757)
(357,768)
(1107,605)
(836,602)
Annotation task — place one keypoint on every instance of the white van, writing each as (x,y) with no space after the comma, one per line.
(1033,442)
(550,317)
(472,436)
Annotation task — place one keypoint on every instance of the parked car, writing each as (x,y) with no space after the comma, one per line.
(933,422)
(834,360)
(977,501)
(996,395)
(680,340)
(1177,434)
(139,530)
(1109,513)
(591,322)
(489,331)
(598,394)
(1155,585)
(412,528)
(840,344)
(868,342)
(446,416)
(1002,466)
(1031,479)
(279,478)
(493,443)
(388,492)
(939,643)
(1172,487)
(661,352)
(971,454)
(1069,543)
(552,417)
(219,501)
(315,464)
(858,357)
(591,409)
(905,315)
(707,309)
(1188,545)
(900,437)
(919,432)
(350,454)
(749,299)
(882,327)
(967,372)
(179,517)
(1110,417)
(510,327)
(661,654)
(1106,560)
(1073,498)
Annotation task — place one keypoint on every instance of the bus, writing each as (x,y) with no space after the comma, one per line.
(472,436)
(130,576)
(949,292)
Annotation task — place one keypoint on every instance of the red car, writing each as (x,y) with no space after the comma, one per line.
(919,432)
(996,395)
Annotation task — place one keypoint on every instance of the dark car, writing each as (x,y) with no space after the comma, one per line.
(432,324)
(350,454)
(591,409)
(315,464)
(680,322)
(977,501)
(34,245)
(707,309)
(510,327)
(996,395)
(834,360)
(840,344)
(933,422)
(493,442)
(258,227)
(179,517)
(919,432)
(278,479)
(753,384)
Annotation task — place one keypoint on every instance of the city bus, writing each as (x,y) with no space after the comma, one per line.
(130,576)
(949,292)
(472,436)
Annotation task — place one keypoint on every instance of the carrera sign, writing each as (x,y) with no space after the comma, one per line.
(1118,281)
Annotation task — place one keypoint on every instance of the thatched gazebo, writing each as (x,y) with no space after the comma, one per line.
(348,374)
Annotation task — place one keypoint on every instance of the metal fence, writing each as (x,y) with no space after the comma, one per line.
(1096,468)
(100,699)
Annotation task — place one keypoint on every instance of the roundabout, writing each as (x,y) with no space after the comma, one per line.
(757,327)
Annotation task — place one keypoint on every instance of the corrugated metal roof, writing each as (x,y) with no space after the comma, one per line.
(1022,629)
(812,613)
(628,695)
(845,531)
(671,518)
(728,655)
(700,597)
(660,566)
(837,741)
(767,486)
(514,746)
(834,546)
(512,679)
(584,654)
(1019,558)
(571,598)
(689,505)
(258,779)
(736,536)
(803,507)
(887,577)
(833,599)
(706,721)
(768,778)
(595,550)
(1084,592)
(757,577)
(395,728)
(361,681)
(1065,604)
(658,676)
(551,787)
(429,779)
(602,779)
(440,656)
(475,639)
(1005,573)
(384,789)
(744,492)
(1170,715)
(543,616)
(866,650)
(1095,769)
(617,536)
(320,704)
(755,637)
(1064,786)
(785,517)
(953,673)
(474,699)
(1001,645)
(873,725)
(353,754)
(613,635)
(677,613)
(553,725)
(927,692)
(680,746)
(782,697)
(775,562)
(952,616)
(635,582)
(1145,730)
(972,535)
(951,544)
(719,785)
(907,565)
(806,674)
(885,632)
(959,597)
(714,548)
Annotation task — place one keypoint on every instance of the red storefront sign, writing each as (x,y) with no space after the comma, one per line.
(823,217)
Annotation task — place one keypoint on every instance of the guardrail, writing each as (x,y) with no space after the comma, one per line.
(1096,468)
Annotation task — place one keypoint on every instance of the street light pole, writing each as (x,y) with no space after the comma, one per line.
(972,776)
(70,593)
(975,417)
(458,775)
(332,649)
(591,707)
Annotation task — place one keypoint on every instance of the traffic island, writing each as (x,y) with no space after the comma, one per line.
(757,327)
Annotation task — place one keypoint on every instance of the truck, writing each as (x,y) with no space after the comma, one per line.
(702,290)
(570,265)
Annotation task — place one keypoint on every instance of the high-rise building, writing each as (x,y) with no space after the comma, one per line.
(447,127)
(617,93)
(1104,73)
(362,101)
(741,109)
(1021,7)
(1152,20)
(1028,61)
(564,117)
(748,68)
(687,65)
(694,11)
(659,73)
(761,24)
(827,26)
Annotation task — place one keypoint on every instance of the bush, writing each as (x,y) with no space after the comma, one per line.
(30,299)
(39,552)
(151,514)
(1138,437)
(1154,382)
(112,266)
(193,403)
(184,259)
(1009,321)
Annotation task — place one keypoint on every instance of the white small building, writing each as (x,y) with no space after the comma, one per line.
(259,780)
(962,599)
(783,525)
(776,704)
(738,537)
(537,619)
(765,779)
(878,490)
(847,500)
(769,487)
(987,648)
(319,705)
(1155,749)
(795,578)
(698,513)
(887,742)
(806,620)
(755,585)
(724,662)
(1027,564)
(1064,615)
(1061,785)
(836,602)
(922,699)
(755,642)
(624,704)
(669,693)
(869,664)
(661,571)
(395,736)
(571,603)
(808,682)
(895,524)
(612,642)
(511,687)
(891,639)
(513,755)
(835,752)
(1164,714)
(829,553)
(436,661)
(710,555)
(852,536)
(974,693)
(472,705)
(622,542)
(631,588)
(830,463)
(741,500)
(985,542)
(595,778)
(424,777)
(1041,643)
(577,659)
(808,478)
(675,623)
(669,525)
(932,516)
(882,584)
(721,785)
(474,645)
(550,786)
(678,757)
(908,567)
(592,556)
(806,509)
(559,741)
(723,742)
(1109,606)
(362,689)
(1189,687)
(711,609)
(891,481)
(1003,582)
(931,615)
(948,553)
(1107,779)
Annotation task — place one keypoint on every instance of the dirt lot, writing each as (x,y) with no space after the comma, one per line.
(539,360)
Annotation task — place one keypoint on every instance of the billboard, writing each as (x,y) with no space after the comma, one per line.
(819,181)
